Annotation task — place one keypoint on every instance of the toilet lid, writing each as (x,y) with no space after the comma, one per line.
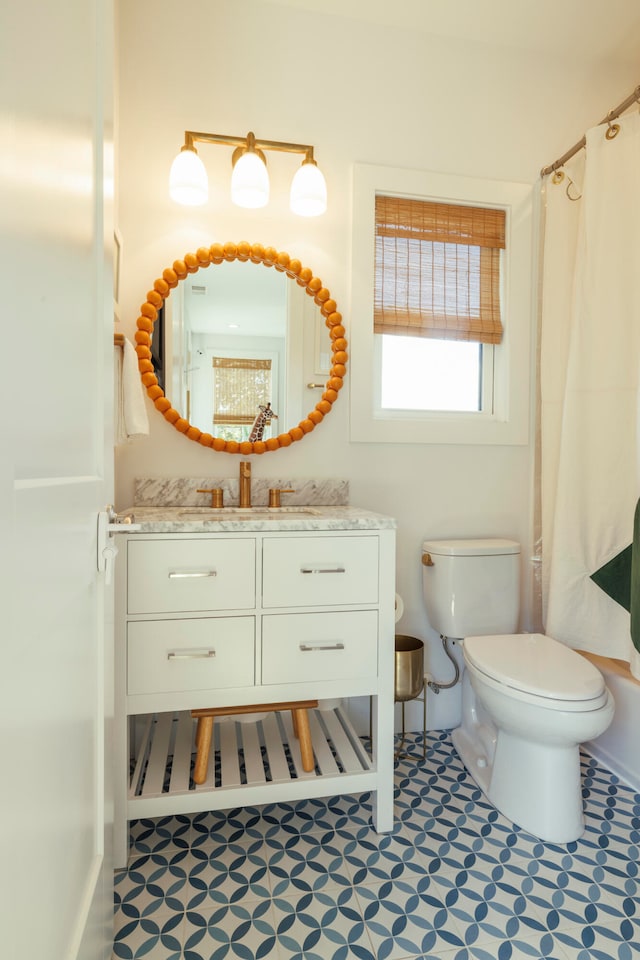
(535,664)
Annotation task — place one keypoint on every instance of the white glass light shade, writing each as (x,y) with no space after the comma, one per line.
(188,183)
(250,181)
(308,191)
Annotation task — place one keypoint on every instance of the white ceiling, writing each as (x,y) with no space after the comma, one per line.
(583,30)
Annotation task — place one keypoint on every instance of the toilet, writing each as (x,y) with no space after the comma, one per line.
(528,701)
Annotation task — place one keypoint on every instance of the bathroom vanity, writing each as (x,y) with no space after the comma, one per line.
(220,608)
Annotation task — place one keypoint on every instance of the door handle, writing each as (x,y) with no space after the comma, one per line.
(107,550)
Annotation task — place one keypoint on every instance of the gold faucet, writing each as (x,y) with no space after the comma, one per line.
(245,484)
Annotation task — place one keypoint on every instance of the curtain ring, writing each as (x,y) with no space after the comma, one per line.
(569,185)
(557,177)
(613,129)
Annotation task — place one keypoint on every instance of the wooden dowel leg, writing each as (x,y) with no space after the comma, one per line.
(301,725)
(204,730)
(204,734)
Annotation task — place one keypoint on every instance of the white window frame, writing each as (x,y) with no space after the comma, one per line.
(508,420)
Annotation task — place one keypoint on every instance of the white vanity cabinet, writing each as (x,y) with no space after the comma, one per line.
(211,617)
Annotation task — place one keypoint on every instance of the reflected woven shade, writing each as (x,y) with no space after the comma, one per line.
(239,386)
(437,270)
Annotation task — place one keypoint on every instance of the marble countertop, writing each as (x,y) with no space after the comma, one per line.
(193,519)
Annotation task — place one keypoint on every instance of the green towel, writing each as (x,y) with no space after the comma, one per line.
(634,606)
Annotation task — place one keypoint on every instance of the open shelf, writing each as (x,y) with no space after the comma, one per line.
(257,756)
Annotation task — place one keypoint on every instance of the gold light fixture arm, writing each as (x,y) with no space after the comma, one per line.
(192,137)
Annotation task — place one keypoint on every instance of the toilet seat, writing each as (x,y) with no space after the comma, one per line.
(537,669)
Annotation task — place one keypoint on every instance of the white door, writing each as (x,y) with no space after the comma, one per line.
(56,469)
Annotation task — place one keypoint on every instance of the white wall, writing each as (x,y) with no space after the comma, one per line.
(359,93)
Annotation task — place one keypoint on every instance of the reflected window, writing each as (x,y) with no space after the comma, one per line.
(240,386)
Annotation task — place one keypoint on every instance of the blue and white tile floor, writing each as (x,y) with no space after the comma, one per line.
(455,880)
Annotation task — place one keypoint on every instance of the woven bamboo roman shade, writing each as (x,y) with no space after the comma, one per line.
(239,386)
(437,270)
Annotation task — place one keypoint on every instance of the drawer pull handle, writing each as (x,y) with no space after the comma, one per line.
(322,570)
(178,575)
(193,655)
(307,648)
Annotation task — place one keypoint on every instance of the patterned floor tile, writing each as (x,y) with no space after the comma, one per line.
(369,857)
(237,930)
(154,836)
(226,874)
(324,926)
(574,889)
(407,918)
(448,848)
(297,819)
(455,880)
(227,826)
(153,883)
(160,939)
(586,941)
(351,810)
(490,908)
(607,837)
(545,947)
(309,862)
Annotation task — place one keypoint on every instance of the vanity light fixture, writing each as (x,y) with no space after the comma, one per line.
(188,183)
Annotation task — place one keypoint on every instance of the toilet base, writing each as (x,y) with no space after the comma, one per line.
(536,786)
(477,760)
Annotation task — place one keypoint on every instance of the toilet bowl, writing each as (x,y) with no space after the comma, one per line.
(528,701)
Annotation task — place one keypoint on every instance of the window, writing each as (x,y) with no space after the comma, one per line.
(441,308)
(239,386)
(437,300)
(421,375)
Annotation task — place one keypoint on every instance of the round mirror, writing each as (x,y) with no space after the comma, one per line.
(229,365)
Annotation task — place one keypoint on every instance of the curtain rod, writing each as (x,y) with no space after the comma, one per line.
(583,142)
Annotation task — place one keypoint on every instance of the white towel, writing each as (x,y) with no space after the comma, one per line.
(131,420)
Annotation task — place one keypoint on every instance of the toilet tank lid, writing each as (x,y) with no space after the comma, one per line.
(471,548)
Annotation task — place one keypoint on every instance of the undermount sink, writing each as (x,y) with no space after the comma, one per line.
(246,513)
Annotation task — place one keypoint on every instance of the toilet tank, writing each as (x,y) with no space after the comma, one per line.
(471,587)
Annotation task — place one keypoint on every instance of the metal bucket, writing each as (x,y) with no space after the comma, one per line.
(409,668)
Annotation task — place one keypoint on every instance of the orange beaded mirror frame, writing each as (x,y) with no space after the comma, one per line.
(269,257)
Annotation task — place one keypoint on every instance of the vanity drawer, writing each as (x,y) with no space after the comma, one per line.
(175,576)
(319,571)
(319,646)
(165,656)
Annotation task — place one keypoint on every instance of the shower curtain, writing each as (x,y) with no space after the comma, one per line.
(589,392)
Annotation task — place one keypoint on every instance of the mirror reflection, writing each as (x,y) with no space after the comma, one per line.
(237,339)
(242,351)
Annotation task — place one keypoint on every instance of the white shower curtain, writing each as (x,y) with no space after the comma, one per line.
(589,382)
